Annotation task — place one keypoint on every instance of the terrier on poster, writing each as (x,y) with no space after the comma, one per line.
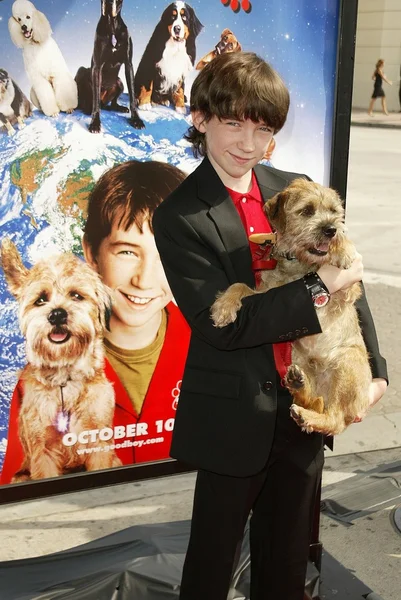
(62,311)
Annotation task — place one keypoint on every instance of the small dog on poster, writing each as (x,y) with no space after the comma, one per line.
(330,375)
(14,105)
(227,43)
(168,58)
(63,307)
(53,87)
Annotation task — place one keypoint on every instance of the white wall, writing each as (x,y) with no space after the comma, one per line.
(378,36)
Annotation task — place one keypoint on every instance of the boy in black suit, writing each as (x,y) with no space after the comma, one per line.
(233,422)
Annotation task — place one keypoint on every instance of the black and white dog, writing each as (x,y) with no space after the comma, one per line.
(14,105)
(168,57)
(100,87)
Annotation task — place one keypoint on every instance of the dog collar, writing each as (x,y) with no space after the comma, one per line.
(63,416)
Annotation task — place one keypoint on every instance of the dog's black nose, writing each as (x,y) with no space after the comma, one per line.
(24,28)
(177,30)
(329,231)
(58,316)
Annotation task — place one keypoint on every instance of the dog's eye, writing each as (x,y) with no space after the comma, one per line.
(307,211)
(19,19)
(230,46)
(184,18)
(28,17)
(41,300)
(76,296)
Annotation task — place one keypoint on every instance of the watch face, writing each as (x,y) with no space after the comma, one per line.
(320,299)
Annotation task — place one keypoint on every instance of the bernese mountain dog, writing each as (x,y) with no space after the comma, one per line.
(168,57)
(14,105)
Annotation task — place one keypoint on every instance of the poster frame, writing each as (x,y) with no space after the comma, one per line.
(338,179)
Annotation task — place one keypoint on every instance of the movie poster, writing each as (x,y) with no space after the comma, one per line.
(64,128)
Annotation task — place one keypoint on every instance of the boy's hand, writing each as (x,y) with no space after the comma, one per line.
(336,279)
(376,392)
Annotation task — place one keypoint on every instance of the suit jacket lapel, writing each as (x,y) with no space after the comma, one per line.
(227,221)
(225,216)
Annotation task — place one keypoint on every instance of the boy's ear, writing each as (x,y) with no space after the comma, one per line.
(198,119)
(88,254)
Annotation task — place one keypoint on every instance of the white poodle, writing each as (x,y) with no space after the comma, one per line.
(53,87)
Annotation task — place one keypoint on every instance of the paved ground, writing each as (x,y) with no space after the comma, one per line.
(378,119)
(374,219)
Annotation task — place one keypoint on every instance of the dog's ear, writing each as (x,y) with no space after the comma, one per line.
(274,209)
(196,25)
(239,47)
(226,32)
(14,270)
(15,32)
(104,300)
(41,30)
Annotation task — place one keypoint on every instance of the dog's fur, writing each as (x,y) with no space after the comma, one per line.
(227,43)
(168,58)
(53,87)
(100,86)
(330,374)
(62,307)
(14,105)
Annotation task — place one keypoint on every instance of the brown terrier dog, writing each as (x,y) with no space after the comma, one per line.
(228,43)
(62,308)
(330,374)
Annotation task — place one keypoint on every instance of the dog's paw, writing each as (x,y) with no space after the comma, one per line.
(146,106)
(10,131)
(181,110)
(95,125)
(297,413)
(224,311)
(294,378)
(136,122)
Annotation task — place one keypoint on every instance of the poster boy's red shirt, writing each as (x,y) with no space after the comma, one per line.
(149,435)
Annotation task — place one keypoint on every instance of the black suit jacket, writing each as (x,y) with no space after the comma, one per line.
(227,409)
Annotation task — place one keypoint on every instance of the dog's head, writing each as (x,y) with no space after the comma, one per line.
(111,8)
(309,220)
(28,25)
(181,21)
(62,306)
(4,82)
(228,43)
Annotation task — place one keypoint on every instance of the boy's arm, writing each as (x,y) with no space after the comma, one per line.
(378,364)
(196,275)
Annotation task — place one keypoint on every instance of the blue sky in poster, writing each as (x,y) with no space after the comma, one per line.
(297,36)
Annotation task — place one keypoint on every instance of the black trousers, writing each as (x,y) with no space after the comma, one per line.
(281,499)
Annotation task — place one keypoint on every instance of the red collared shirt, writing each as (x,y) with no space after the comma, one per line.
(250,209)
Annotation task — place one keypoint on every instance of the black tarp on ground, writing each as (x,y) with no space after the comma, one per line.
(138,563)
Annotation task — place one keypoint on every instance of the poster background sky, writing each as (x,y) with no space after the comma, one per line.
(299,38)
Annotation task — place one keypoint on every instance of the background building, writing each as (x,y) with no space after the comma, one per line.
(378,36)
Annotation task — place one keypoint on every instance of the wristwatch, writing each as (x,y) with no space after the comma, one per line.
(319,293)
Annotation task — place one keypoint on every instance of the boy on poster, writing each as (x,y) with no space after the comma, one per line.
(233,421)
(147,340)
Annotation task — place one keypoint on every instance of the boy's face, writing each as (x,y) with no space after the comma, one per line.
(234,147)
(129,264)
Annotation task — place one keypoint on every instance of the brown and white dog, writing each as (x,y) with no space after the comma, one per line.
(62,308)
(330,374)
(168,58)
(227,43)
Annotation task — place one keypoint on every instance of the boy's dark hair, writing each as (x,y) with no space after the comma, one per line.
(238,85)
(126,194)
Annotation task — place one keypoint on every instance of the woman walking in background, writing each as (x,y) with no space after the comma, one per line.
(378,92)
